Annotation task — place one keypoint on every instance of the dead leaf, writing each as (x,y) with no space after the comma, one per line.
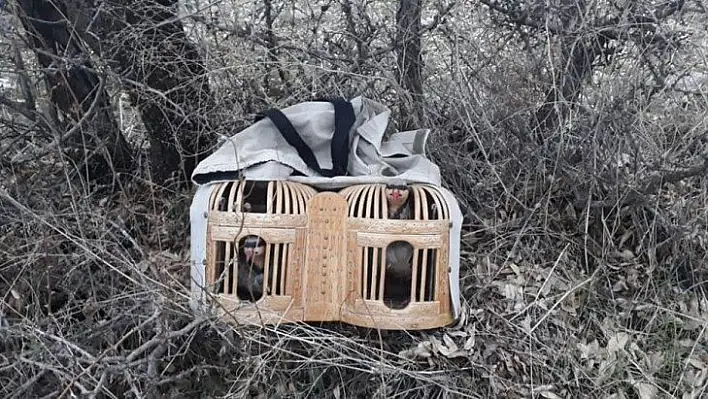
(605,371)
(625,254)
(617,343)
(696,378)
(645,390)
(450,343)
(549,395)
(515,268)
(697,363)
(469,344)
(589,350)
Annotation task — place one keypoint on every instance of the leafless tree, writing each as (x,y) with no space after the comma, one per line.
(145,43)
(410,60)
(76,89)
(587,37)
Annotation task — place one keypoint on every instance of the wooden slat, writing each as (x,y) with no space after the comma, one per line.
(239,198)
(356,194)
(210,257)
(229,275)
(282,279)
(382,240)
(423,274)
(444,209)
(438,203)
(392,226)
(295,282)
(380,199)
(423,200)
(385,204)
(354,269)
(289,200)
(228,233)
(414,280)
(216,198)
(416,205)
(299,196)
(325,257)
(366,286)
(374,273)
(375,314)
(276,271)
(233,189)
(443,289)
(266,269)
(279,200)
(256,219)
(370,201)
(361,208)
(269,199)
(381,265)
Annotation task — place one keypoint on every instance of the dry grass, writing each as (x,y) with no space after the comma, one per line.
(584,258)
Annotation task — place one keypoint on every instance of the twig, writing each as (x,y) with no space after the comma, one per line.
(18,393)
(63,341)
(651,188)
(17,107)
(99,385)
(55,370)
(558,302)
(163,337)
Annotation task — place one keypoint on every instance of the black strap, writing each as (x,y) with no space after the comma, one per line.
(288,131)
(343,121)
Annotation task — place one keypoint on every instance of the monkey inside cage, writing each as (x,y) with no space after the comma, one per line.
(400,252)
(252,235)
(240,268)
(398,273)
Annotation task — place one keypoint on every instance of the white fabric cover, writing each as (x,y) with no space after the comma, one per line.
(263,153)
(260,152)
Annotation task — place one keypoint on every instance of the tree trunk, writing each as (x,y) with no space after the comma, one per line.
(145,42)
(410,61)
(578,62)
(76,91)
(578,55)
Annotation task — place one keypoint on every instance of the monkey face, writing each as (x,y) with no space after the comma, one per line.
(397,195)
(249,253)
(254,250)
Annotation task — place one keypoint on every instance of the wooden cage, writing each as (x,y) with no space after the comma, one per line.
(425,301)
(327,255)
(275,212)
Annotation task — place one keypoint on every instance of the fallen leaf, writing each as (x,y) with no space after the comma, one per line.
(469,344)
(605,371)
(450,343)
(589,350)
(549,395)
(617,343)
(645,390)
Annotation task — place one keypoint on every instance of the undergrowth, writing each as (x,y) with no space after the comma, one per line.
(583,270)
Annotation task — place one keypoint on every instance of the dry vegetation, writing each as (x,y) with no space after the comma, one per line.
(584,270)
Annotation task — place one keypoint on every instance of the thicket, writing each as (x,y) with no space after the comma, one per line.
(574,133)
